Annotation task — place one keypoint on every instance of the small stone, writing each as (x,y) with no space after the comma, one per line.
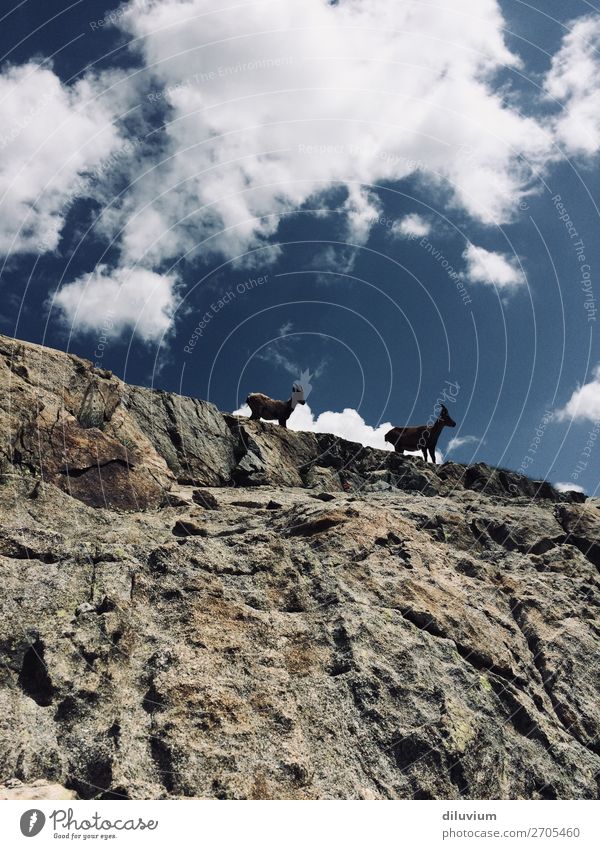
(187,528)
(205,499)
(175,499)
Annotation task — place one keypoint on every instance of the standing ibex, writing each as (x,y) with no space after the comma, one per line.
(263,407)
(422,437)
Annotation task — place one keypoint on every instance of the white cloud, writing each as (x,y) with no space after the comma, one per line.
(493,269)
(459,441)
(114,302)
(358,212)
(348,424)
(50,135)
(584,403)
(261,120)
(574,80)
(568,487)
(412,226)
(361,207)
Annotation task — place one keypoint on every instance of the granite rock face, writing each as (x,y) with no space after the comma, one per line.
(16,791)
(196,605)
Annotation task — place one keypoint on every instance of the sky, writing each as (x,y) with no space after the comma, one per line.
(394,203)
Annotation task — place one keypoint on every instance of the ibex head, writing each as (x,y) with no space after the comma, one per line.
(297,395)
(445,417)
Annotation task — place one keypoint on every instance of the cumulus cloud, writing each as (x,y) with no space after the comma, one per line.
(584,403)
(412,226)
(574,81)
(568,487)
(116,301)
(51,136)
(492,268)
(360,208)
(348,424)
(260,121)
(460,441)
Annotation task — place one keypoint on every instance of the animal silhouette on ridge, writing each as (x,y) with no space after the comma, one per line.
(423,437)
(263,407)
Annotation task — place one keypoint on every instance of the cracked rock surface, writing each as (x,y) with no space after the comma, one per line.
(341,623)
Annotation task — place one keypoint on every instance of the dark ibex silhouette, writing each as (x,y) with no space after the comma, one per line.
(263,407)
(423,437)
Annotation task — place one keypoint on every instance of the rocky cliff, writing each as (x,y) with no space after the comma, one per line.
(195,605)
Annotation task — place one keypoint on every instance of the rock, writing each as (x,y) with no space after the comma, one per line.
(205,499)
(36,790)
(309,627)
(87,464)
(176,499)
(250,471)
(503,482)
(317,524)
(582,526)
(269,454)
(317,477)
(191,435)
(65,421)
(186,528)
(378,486)
(430,634)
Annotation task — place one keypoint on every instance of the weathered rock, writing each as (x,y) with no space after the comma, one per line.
(582,526)
(247,663)
(318,477)
(205,499)
(190,434)
(502,482)
(188,528)
(36,790)
(63,420)
(175,498)
(270,454)
(358,625)
(87,464)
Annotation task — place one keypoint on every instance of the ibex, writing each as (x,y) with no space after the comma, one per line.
(422,437)
(263,407)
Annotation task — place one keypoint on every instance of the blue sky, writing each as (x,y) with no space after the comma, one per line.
(390,200)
